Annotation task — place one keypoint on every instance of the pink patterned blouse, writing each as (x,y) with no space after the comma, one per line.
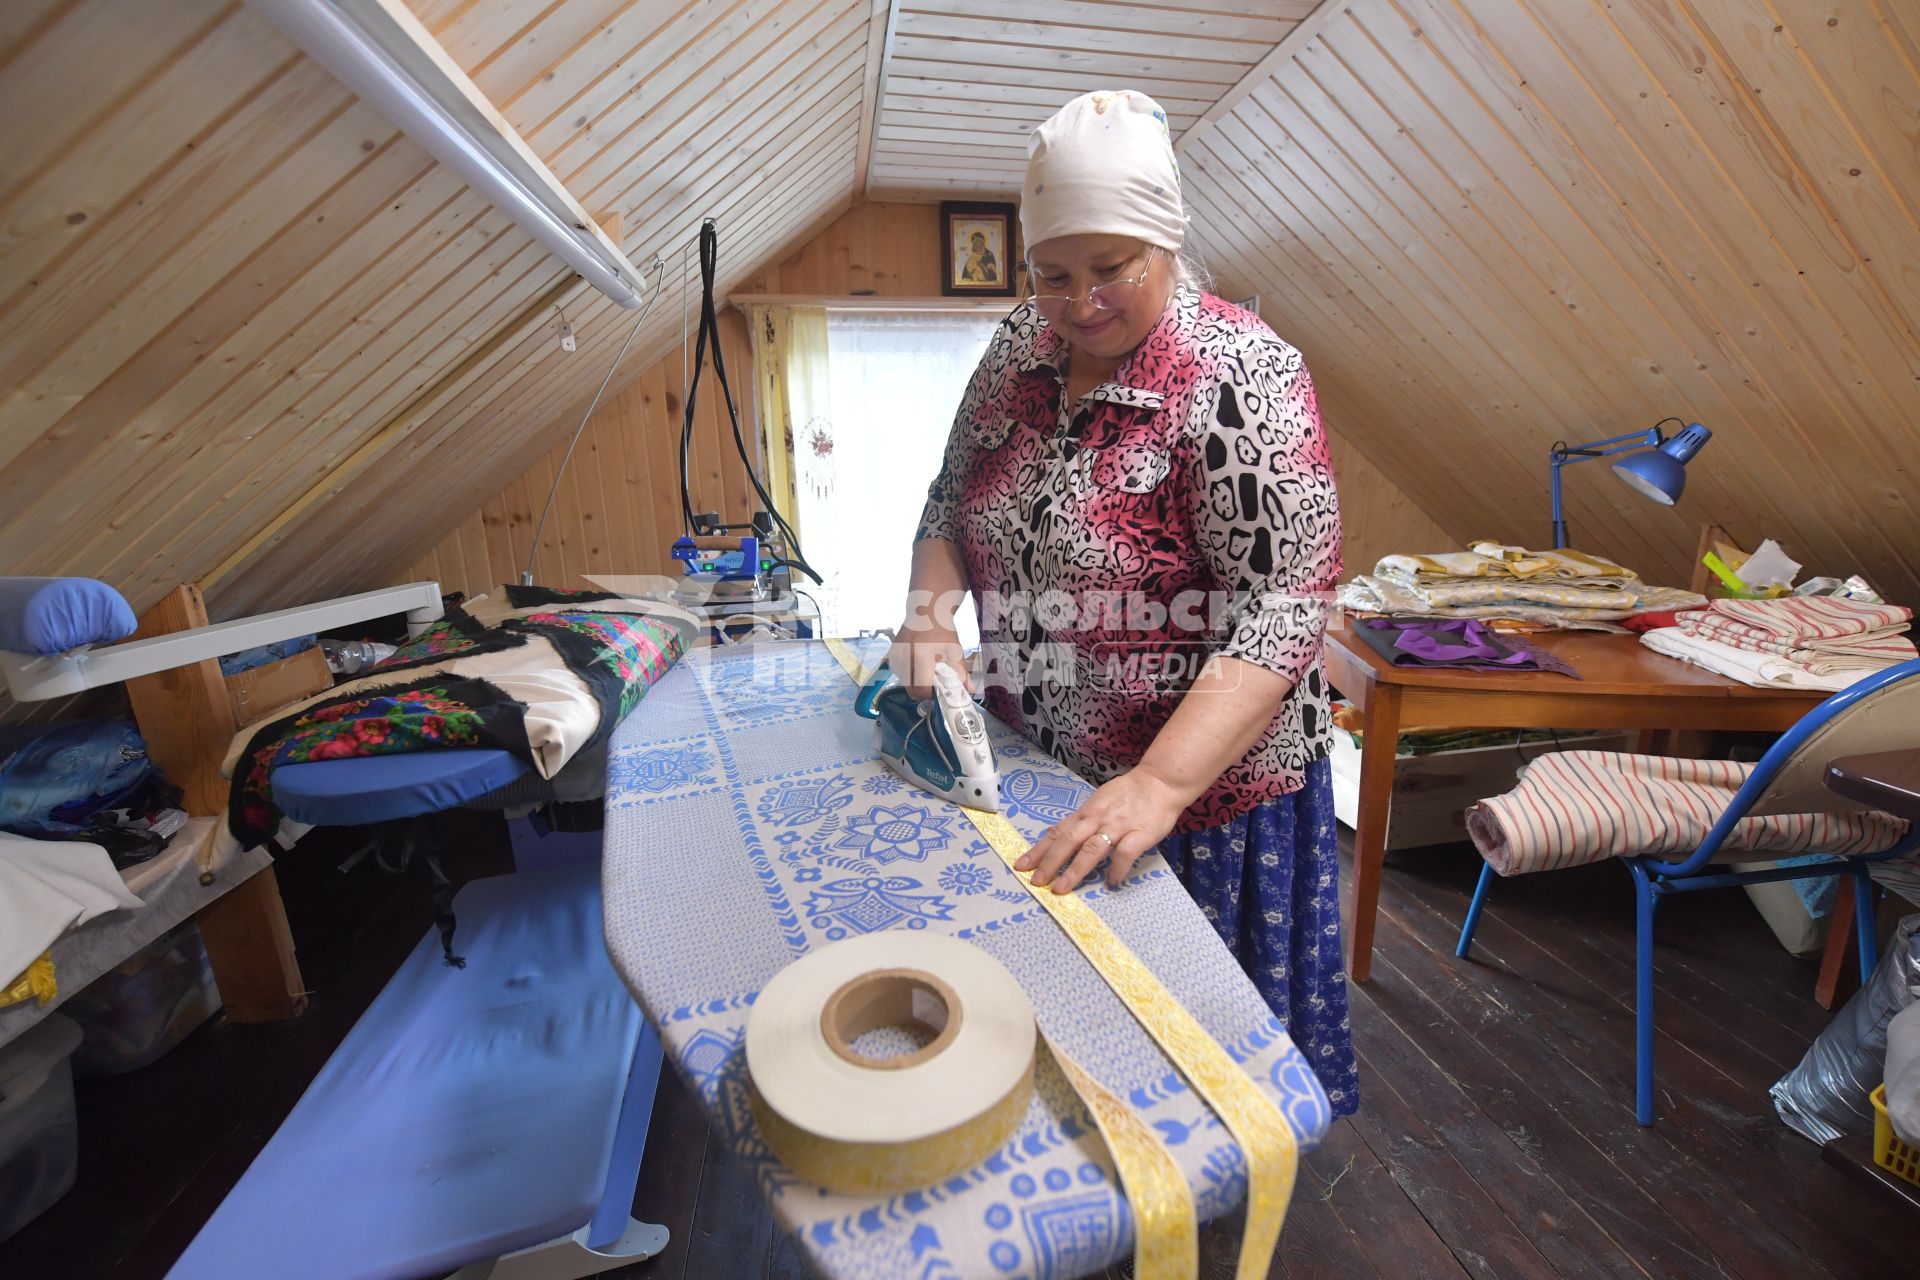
(1184,508)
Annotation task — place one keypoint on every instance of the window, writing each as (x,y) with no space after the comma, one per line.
(861,476)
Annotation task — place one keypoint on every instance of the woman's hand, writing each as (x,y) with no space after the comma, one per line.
(1119,822)
(917,645)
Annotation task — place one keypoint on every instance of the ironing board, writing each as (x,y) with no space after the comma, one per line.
(748,821)
(366,789)
(470,1114)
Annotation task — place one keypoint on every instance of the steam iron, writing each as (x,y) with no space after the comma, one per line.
(939,744)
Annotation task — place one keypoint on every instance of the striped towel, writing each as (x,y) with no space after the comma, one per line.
(1575,807)
(1825,622)
(1808,618)
(1826,635)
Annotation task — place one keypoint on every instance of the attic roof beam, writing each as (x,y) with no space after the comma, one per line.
(378,49)
(880,25)
(1303,33)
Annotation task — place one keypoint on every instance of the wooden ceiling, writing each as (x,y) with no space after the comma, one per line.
(1493,224)
(248,334)
(964,82)
(252,337)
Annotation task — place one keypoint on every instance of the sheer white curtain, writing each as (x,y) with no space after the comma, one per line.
(896,379)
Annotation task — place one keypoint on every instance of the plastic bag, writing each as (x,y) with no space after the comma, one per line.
(1903,1074)
(1826,1096)
(53,778)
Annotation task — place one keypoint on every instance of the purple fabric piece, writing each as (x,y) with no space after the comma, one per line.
(1543,659)
(1454,642)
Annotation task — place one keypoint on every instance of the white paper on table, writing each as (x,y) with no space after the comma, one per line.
(1769,567)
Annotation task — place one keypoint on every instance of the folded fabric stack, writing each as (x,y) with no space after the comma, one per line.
(1562,588)
(1796,642)
(539,673)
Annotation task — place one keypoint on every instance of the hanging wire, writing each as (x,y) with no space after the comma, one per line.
(709,340)
(685,329)
(533,552)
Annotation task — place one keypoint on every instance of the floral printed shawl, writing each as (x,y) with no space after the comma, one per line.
(590,649)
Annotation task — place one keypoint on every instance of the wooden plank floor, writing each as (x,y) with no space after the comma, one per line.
(1495,1138)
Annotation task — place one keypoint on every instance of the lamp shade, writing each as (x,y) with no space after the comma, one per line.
(1661,474)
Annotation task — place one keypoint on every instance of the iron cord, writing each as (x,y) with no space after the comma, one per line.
(710,332)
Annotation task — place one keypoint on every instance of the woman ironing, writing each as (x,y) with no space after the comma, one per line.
(1138,493)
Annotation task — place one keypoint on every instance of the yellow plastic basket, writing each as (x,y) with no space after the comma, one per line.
(1891,1154)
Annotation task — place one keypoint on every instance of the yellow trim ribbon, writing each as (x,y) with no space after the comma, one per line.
(37,982)
(1166,1231)
(1257,1125)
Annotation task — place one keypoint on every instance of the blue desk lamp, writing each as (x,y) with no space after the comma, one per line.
(1656,466)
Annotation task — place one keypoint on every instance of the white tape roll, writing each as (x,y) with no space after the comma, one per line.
(875,1126)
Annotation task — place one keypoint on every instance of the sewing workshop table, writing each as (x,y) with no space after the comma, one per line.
(749,821)
(1623,685)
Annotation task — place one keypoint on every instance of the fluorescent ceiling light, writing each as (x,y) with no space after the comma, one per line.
(378,49)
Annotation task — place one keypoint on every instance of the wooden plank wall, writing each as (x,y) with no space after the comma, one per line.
(618,506)
(251,336)
(1498,223)
(600,526)
(890,249)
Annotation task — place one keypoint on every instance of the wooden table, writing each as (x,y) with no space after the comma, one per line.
(1886,780)
(1623,685)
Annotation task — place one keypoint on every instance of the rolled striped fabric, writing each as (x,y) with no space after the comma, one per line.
(1575,807)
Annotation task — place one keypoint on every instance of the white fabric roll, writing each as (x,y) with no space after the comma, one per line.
(1103,164)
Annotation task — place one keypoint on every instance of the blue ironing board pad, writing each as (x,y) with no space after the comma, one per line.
(468,1114)
(342,793)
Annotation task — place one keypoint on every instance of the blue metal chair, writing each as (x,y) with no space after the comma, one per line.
(1879,713)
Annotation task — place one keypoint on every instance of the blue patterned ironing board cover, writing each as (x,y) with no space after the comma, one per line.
(749,821)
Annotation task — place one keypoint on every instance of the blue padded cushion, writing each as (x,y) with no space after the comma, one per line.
(345,793)
(53,615)
(469,1113)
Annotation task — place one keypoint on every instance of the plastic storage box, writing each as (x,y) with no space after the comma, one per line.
(135,1012)
(39,1130)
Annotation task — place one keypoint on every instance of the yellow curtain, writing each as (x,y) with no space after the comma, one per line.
(790,372)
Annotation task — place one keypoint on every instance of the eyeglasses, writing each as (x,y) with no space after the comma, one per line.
(1111,296)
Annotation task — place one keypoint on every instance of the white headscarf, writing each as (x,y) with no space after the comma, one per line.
(1103,164)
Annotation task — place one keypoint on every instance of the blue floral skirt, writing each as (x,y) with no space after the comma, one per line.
(1269,881)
